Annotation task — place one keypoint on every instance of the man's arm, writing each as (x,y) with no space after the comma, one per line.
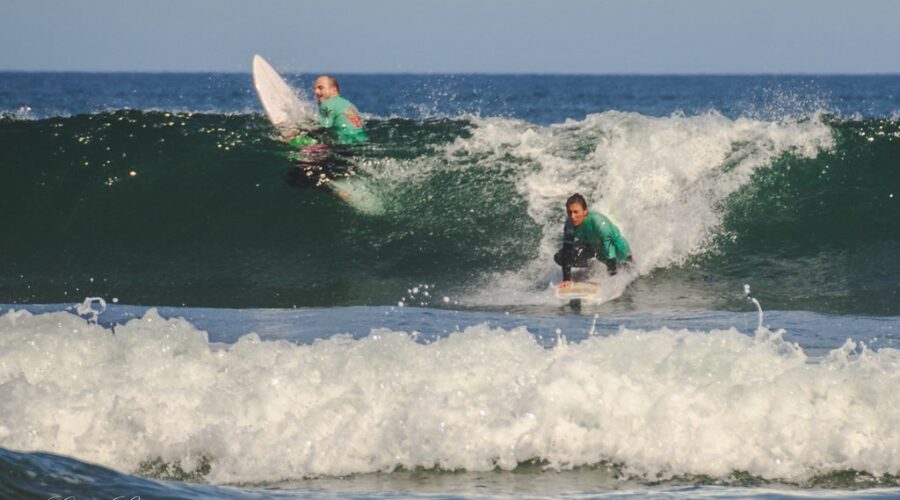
(568,251)
(326,116)
(610,253)
(602,230)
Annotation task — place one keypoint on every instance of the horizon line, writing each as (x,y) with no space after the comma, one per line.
(455,73)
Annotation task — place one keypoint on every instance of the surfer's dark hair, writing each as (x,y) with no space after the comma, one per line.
(577,198)
(333,81)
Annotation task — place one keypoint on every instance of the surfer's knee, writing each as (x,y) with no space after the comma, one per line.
(613,266)
(558,258)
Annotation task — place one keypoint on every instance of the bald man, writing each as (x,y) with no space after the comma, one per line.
(339,123)
(337,115)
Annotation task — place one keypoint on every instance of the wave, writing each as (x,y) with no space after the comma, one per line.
(204,209)
(154,393)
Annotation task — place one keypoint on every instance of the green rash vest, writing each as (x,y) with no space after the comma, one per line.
(341,119)
(601,234)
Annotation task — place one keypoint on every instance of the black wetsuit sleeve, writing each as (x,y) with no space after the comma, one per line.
(320,134)
(568,252)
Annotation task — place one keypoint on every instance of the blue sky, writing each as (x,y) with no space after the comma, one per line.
(447,36)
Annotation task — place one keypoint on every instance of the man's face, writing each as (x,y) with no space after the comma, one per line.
(324,89)
(576,213)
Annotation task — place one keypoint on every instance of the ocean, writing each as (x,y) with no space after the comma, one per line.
(182,318)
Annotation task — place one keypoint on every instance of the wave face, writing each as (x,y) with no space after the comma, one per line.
(203,209)
(172,190)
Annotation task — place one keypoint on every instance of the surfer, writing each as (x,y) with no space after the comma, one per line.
(339,120)
(588,234)
(339,124)
(337,115)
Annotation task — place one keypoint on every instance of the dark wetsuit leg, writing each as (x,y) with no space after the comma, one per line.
(577,254)
(612,267)
(319,164)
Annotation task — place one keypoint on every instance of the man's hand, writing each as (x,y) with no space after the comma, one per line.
(289,133)
(565,284)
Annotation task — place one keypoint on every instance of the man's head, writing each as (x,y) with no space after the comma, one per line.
(325,88)
(576,209)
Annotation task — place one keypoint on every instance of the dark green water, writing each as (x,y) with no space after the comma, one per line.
(201,209)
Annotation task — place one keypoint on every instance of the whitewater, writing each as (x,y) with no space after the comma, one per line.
(661,402)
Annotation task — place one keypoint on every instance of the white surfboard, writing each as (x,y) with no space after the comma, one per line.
(291,113)
(578,290)
(285,109)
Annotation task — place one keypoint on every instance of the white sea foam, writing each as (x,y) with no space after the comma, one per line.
(660,179)
(660,402)
(359,194)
